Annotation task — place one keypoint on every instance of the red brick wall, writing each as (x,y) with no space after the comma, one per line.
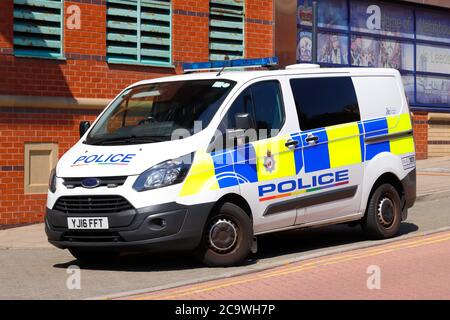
(420,126)
(30,125)
(91,38)
(259,28)
(6,13)
(84,73)
(190,31)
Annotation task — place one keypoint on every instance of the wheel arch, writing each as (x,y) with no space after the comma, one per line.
(235,199)
(390,178)
(384,167)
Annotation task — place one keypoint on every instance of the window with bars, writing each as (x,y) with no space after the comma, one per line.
(38,28)
(226,29)
(139,31)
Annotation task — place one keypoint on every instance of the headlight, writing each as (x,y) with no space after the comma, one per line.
(52,181)
(163,174)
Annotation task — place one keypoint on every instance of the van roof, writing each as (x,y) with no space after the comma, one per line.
(244,76)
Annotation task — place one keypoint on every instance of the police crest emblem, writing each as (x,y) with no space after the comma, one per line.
(269,162)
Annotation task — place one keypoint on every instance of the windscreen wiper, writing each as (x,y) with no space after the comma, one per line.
(127,140)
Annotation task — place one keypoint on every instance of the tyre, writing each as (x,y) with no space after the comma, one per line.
(227,237)
(383,214)
(96,257)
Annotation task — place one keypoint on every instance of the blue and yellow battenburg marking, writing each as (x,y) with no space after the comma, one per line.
(338,146)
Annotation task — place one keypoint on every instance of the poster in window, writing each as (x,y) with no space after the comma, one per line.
(382,18)
(433,90)
(368,52)
(408,84)
(433,26)
(304,46)
(433,59)
(332,48)
(304,12)
(332,14)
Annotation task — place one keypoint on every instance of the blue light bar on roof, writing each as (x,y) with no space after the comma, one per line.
(238,63)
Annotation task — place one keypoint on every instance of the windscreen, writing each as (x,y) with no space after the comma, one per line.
(151,113)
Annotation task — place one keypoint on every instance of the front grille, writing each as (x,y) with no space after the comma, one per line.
(92,204)
(83,236)
(110,182)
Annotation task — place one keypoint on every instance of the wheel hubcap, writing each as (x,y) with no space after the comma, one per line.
(222,235)
(386,214)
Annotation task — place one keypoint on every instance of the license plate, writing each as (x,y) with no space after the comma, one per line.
(88,223)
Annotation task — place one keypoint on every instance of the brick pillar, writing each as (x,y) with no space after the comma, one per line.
(190,31)
(259,28)
(6,27)
(90,39)
(420,126)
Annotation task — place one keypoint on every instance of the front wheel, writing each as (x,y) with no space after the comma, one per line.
(384,214)
(227,237)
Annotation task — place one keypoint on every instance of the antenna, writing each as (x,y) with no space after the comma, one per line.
(227,58)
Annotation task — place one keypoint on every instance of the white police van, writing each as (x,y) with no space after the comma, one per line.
(207,161)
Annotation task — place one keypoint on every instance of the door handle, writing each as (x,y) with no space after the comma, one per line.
(311,139)
(291,143)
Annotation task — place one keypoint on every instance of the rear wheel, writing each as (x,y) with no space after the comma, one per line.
(89,256)
(384,214)
(227,237)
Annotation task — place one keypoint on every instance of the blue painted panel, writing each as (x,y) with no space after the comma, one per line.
(316,157)
(361,140)
(374,128)
(245,164)
(298,153)
(223,166)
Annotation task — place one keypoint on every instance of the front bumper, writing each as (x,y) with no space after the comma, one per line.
(182,229)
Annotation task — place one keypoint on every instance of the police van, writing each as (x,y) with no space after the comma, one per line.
(207,161)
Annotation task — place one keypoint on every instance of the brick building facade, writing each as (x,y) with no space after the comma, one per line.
(43,100)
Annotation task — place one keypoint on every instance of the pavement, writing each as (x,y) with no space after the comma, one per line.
(31,236)
(433,177)
(31,268)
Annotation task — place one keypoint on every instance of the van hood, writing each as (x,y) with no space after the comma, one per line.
(124,160)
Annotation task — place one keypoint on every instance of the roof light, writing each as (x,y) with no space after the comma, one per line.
(238,63)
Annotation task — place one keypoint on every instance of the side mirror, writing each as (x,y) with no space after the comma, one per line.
(84,127)
(243,121)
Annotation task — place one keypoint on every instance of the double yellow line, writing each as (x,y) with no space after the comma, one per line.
(280,271)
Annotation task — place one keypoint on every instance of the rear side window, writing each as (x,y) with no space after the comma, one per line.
(323,102)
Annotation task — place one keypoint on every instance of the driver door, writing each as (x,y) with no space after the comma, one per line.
(266,155)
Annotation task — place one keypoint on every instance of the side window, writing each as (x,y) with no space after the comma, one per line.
(263,102)
(269,113)
(242,104)
(323,102)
